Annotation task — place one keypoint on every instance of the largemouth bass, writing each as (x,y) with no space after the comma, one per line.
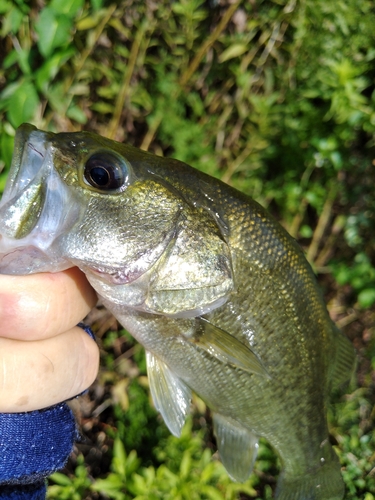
(217,292)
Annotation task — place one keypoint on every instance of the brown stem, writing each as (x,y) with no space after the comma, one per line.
(124,90)
(323,222)
(208,43)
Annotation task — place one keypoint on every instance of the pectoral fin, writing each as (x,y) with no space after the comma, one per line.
(225,347)
(238,447)
(170,394)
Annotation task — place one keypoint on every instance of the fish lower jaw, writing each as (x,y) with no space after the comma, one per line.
(27,259)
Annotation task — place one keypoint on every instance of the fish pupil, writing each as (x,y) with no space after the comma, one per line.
(105,171)
(100,176)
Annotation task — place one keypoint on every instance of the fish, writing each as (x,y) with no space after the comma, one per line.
(219,294)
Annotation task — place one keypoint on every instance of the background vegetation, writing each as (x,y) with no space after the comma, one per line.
(275,97)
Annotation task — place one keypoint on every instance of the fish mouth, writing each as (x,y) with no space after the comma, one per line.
(33,208)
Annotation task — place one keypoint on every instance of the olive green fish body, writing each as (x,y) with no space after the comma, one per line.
(217,292)
(277,310)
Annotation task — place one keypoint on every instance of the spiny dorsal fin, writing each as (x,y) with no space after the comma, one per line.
(170,394)
(225,347)
(238,447)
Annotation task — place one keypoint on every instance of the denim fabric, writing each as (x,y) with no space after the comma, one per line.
(35,444)
(36,491)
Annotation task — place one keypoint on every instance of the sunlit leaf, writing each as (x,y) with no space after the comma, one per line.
(366,297)
(75,113)
(53,31)
(234,50)
(12,20)
(66,7)
(23,104)
(47,72)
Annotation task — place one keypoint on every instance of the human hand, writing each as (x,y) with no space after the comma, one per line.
(44,357)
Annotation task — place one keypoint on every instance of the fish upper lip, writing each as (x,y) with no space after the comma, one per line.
(31,146)
(33,166)
(28,159)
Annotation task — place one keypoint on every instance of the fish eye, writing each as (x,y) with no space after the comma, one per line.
(105,171)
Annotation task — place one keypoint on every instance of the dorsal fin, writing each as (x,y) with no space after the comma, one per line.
(170,394)
(238,447)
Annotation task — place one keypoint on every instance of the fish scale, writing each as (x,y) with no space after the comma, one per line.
(217,292)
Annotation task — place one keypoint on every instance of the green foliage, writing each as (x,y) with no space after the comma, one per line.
(186,472)
(352,423)
(31,67)
(54,25)
(70,488)
(361,276)
(123,467)
(276,98)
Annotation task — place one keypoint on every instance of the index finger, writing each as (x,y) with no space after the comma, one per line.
(39,306)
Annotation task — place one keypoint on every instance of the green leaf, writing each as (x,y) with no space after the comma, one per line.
(211,492)
(67,7)
(23,104)
(47,72)
(366,297)
(102,108)
(58,100)
(10,59)
(132,462)
(235,50)
(11,21)
(306,231)
(97,4)
(5,6)
(185,465)
(22,57)
(3,179)
(119,458)
(76,113)
(53,30)
(60,479)
(6,148)
(110,486)
(89,22)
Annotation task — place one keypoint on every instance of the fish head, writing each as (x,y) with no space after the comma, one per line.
(78,199)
